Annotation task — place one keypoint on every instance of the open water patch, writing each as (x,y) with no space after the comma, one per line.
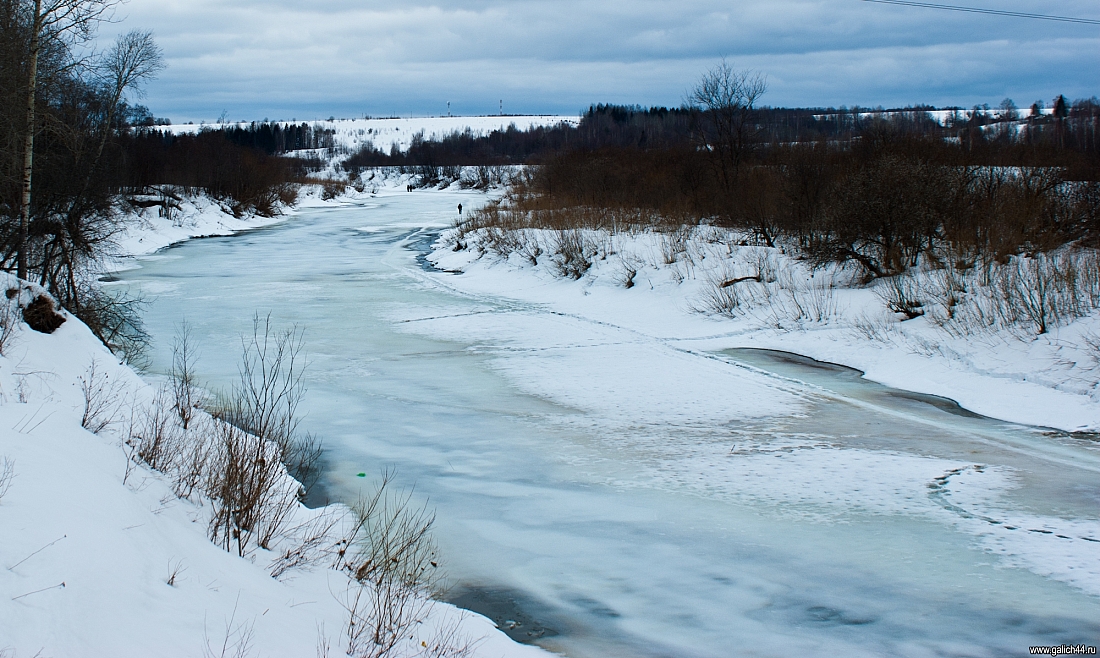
(521,617)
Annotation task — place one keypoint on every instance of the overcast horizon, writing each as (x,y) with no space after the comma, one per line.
(274,59)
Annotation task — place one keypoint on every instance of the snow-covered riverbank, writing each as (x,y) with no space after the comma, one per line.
(669,287)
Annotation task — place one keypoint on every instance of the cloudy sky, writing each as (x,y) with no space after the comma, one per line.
(286,59)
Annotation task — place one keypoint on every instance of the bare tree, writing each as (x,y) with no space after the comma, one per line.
(726,100)
(134,58)
(103,399)
(64,21)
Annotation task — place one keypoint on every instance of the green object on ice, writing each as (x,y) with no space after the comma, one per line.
(361,475)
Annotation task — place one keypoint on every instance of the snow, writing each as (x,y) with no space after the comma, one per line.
(620,365)
(146,231)
(89,544)
(1052,380)
(639,363)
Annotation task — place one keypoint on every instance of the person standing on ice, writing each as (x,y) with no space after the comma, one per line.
(460,209)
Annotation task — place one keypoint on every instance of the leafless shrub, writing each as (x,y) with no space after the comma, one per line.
(115,318)
(159,441)
(324,645)
(187,395)
(818,301)
(920,345)
(103,399)
(573,253)
(193,465)
(484,177)
(239,459)
(718,297)
(901,295)
(174,570)
(270,385)
(763,264)
(1025,296)
(629,271)
(1048,290)
(673,245)
(946,289)
(252,496)
(507,241)
(448,641)
(7,474)
(265,401)
(236,639)
(790,300)
(873,329)
(332,189)
(392,559)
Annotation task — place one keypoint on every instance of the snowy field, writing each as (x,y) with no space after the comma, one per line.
(383,133)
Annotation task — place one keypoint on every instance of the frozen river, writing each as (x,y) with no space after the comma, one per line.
(612,493)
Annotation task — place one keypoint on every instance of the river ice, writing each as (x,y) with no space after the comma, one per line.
(635,494)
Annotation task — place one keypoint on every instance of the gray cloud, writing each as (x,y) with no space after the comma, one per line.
(287,59)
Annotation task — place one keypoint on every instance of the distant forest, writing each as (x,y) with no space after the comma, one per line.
(1069,127)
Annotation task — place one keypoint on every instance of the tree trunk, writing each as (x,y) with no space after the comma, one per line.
(28,143)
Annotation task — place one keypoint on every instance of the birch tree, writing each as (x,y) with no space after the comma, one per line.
(67,22)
